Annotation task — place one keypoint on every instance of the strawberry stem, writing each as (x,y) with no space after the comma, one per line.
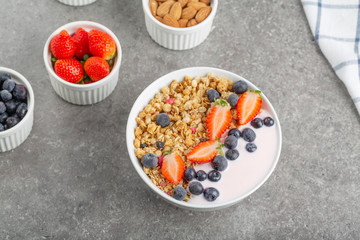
(221,102)
(85,57)
(54,59)
(167,152)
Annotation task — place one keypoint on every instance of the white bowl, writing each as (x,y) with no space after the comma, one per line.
(13,137)
(145,98)
(178,38)
(77,2)
(83,94)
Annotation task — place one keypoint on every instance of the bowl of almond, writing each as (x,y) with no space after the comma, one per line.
(181,24)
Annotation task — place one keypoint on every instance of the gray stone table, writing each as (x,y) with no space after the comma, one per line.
(73,179)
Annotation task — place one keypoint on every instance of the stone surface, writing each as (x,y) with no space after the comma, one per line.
(72,178)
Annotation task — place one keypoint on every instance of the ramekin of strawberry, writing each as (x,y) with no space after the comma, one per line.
(83,61)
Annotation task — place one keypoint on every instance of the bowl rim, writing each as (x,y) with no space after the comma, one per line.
(31,100)
(146,179)
(214,5)
(78,24)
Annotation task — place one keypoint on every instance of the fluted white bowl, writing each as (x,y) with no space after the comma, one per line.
(77,2)
(13,137)
(83,94)
(178,38)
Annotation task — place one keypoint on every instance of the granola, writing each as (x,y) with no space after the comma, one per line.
(187,105)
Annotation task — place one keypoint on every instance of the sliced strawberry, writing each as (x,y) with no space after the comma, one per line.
(204,151)
(248,106)
(173,167)
(218,120)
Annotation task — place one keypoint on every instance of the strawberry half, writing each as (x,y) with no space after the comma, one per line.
(96,68)
(62,46)
(204,151)
(101,44)
(219,119)
(173,167)
(81,41)
(70,70)
(248,106)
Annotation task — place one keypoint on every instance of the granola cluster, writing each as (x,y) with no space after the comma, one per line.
(187,105)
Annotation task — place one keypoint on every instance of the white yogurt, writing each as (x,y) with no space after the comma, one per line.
(248,170)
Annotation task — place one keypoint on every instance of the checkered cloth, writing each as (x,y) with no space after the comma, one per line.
(336,28)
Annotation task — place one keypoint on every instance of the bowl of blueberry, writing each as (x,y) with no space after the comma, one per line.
(203,138)
(16,109)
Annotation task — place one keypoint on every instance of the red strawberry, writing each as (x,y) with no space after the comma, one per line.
(173,168)
(62,46)
(81,41)
(70,70)
(219,119)
(248,106)
(96,68)
(204,151)
(101,44)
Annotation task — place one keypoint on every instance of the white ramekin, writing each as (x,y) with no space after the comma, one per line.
(83,94)
(13,137)
(77,2)
(146,96)
(178,38)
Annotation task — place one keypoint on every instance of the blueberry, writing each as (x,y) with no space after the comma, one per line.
(159,144)
(5,95)
(11,106)
(214,176)
(232,154)
(231,142)
(179,193)
(268,121)
(2,128)
(11,121)
(2,107)
(21,110)
(163,120)
(196,188)
(233,99)
(8,85)
(212,94)
(190,173)
(143,145)
(19,92)
(257,123)
(4,77)
(149,160)
(211,194)
(251,147)
(235,132)
(219,163)
(3,117)
(240,87)
(201,175)
(248,135)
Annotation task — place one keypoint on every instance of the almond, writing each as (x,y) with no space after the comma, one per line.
(183,22)
(191,23)
(183,2)
(202,14)
(164,8)
(153,4)
(196,5)
(159,19)
(176,10)
(171,21)
(193,1)
(188,13)
(207,2)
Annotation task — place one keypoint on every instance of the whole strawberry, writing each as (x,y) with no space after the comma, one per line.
(101,44)
(96,68)
(62,45)
(70,70)
(81,41)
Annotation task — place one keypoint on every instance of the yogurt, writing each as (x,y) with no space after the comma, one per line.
(249,170)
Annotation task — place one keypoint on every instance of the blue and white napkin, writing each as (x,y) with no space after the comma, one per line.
(335,25)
